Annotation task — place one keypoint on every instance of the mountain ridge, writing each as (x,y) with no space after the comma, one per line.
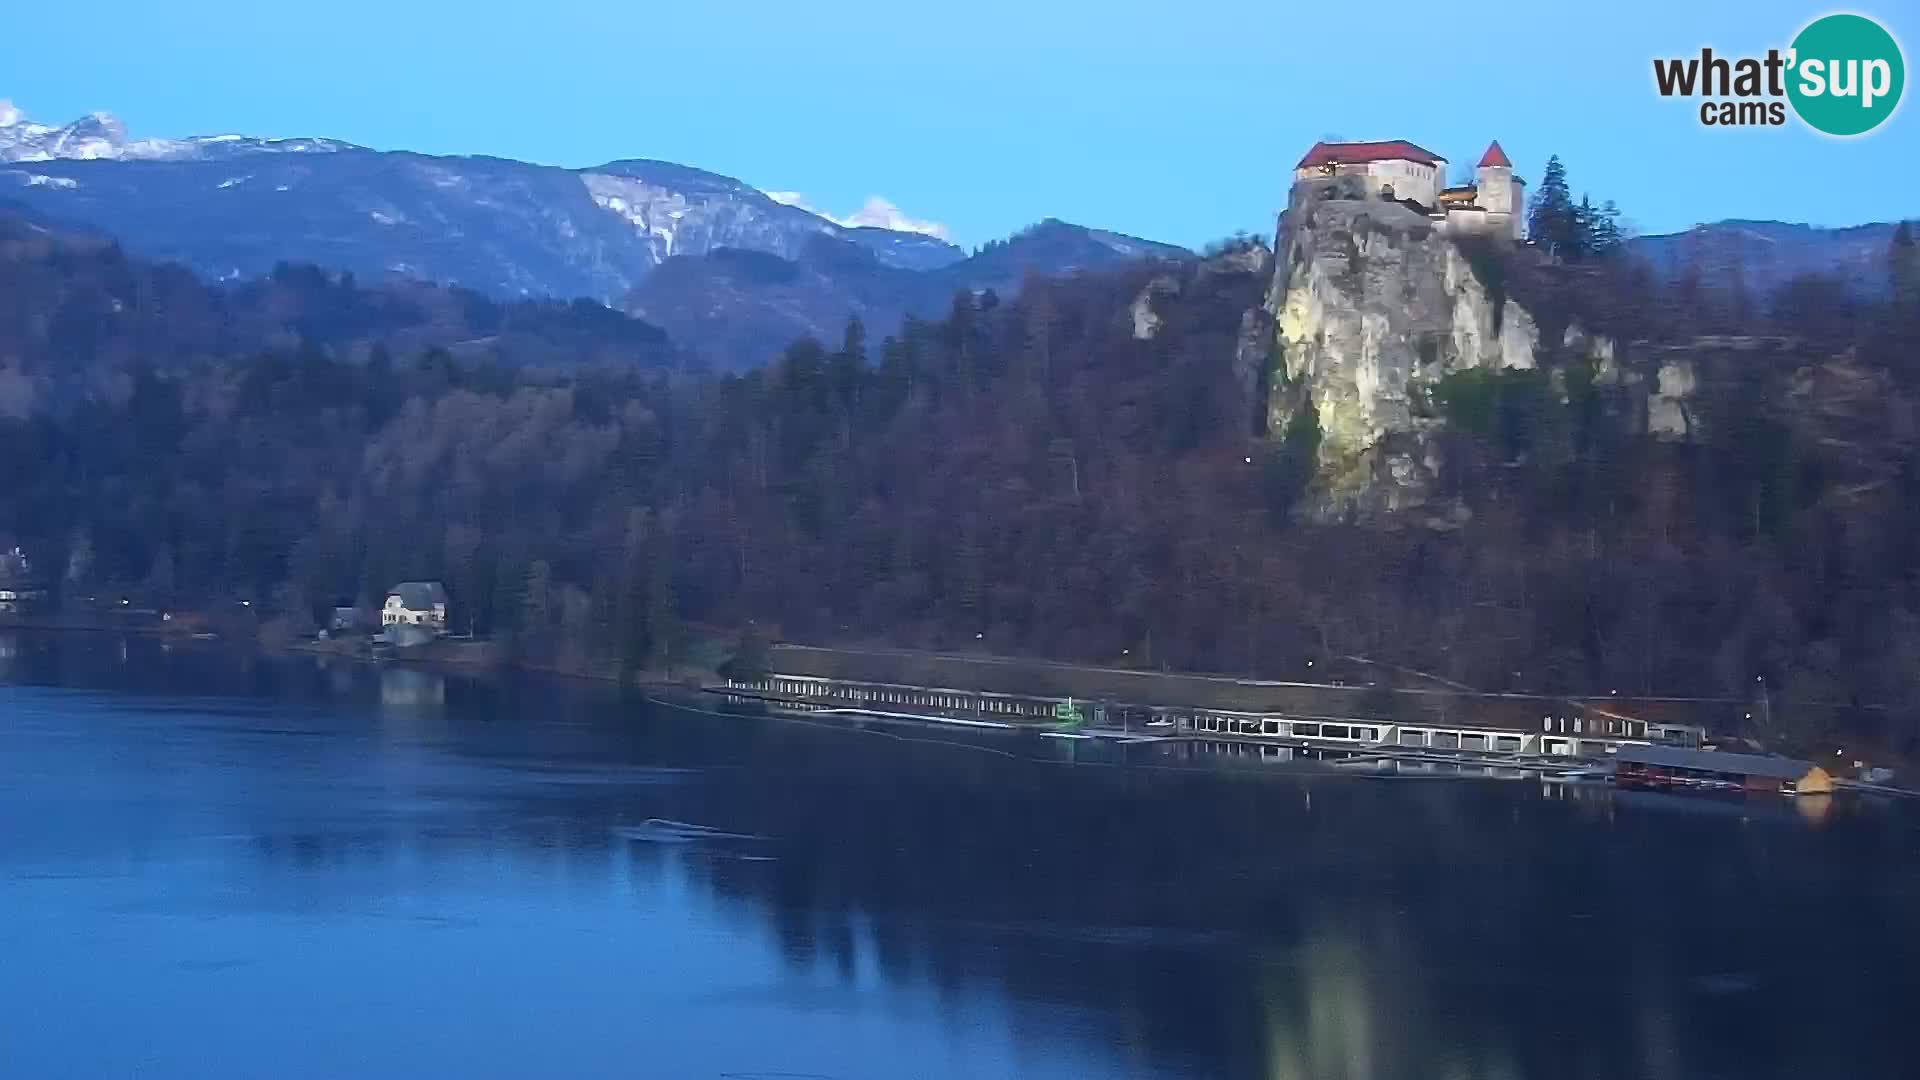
(233,208)
(1763,254)
(341,191)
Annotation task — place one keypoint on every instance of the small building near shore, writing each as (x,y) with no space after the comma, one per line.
(18,599)
(19,591)
(418,604)
(1673,766)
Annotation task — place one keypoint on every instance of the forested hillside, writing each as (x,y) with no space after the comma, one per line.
(1043,475)
(76,312)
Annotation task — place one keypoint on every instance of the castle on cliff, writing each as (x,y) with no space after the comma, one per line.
(1494,203)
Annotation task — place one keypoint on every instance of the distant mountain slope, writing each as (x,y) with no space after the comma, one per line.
(741,308)
(733,274)
(1770,253)
(230,206)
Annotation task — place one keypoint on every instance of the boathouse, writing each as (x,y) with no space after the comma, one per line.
(1002,690)
(1673,766)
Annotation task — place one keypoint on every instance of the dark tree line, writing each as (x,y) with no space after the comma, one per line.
(1568,230)
(1026,475)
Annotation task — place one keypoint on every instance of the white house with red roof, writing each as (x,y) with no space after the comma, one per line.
(1396,169)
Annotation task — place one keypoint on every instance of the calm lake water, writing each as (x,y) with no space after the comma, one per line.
(222,867)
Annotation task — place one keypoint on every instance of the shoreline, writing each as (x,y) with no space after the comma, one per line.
(484,658)
(474,657)
(470,657)
(697,683)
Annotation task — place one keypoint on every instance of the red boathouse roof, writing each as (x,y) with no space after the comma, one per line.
(1356,153)
(1494,156)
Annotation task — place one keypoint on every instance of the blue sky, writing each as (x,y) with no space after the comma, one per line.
(1174,121)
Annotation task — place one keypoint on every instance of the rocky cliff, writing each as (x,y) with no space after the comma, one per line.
(1372,308)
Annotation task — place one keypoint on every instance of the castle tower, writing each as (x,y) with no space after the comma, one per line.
(1499,192)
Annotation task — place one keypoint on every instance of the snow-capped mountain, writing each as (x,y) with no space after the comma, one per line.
(102,137)
(234,207)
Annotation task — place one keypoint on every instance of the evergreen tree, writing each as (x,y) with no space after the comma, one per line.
(536,603)
(1580,230)
(510,580)
(663,615)
(1550,218)
(634,620)
(847,368)
(751,656)
(854,344)
(1606,232)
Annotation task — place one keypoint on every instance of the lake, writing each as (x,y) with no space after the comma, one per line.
(218,866)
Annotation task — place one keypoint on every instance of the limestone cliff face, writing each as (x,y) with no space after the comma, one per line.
(1371,306)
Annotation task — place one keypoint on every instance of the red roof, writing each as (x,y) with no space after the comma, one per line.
(1355,153)
(1494,156)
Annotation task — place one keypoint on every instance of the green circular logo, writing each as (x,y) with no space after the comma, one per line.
(1846,74)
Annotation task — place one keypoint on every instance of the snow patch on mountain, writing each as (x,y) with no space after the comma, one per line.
(696,219)
(103,137)
(876,213)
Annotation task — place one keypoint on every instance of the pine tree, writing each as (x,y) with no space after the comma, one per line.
(1550,218)
(751,656)
(849,364)
(853,344)
(536,603)
(510,579)
(635,631)
(663,614)
(1607,234)
(1580,229)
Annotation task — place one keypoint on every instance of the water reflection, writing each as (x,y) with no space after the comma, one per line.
(873,907)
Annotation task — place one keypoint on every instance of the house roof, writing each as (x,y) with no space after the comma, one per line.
(1494,156)
(1673,757)
(1354,153)
(419,595)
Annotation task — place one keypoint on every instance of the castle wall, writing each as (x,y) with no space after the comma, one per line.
(1409,179)
(1463,222)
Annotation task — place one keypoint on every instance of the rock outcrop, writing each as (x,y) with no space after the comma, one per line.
(1373,305)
